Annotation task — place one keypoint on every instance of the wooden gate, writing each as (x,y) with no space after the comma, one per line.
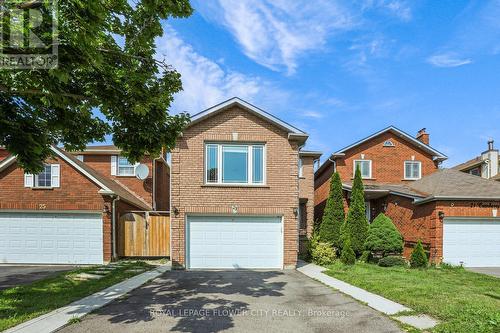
(143,235)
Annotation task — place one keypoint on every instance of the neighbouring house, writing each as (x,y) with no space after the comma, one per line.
(3,153)
(486,165)
(454,214)
(68,213)
(240,186)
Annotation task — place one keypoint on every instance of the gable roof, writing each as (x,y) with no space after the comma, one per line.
(449,184)
(292,130)
(476,161)
(107,185)
(437,155)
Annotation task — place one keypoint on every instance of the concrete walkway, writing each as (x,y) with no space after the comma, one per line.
(58,318)
(376,302)
(491,271)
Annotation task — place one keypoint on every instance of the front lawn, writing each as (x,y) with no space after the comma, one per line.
(22,303)
(463,301)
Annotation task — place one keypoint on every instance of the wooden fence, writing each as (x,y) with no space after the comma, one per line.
(143,235)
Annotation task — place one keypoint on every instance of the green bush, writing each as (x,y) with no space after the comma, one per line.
(418,257)
(333,216)
(348,256)
(323,254)
(356,225)
(383,236)
(366,256)
(390,261)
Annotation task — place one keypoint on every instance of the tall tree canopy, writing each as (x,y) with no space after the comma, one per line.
(106,61)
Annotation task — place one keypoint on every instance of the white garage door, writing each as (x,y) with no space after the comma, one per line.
(50,238)
(475,242)
(234,242)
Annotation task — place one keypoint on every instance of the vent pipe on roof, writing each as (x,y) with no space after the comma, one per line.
(490,144)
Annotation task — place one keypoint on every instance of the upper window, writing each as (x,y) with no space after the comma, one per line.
(48,178)
(475,171)
(365,166)
(301,168)
(234,164)
(125,168)
(413,170)
(389,143)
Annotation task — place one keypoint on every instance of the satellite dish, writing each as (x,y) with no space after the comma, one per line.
(142,171)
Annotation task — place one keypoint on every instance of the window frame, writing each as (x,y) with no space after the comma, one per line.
(419,170)
(301,168)
(354,169)
(35,178)
(249,170)
(130,165)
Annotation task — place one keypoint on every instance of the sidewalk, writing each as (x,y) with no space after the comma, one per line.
(56,319)
(374,301)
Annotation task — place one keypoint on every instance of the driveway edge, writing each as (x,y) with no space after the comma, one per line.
(374,301)
(59,318)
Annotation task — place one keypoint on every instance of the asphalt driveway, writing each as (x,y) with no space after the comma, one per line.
(11,276)
(234,301)
(492,271)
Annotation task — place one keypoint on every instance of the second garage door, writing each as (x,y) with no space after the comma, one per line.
(234,242)
(51,238)
(472,243)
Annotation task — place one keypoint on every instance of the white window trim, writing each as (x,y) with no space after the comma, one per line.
(118,168)
(419,170)
(354,168)
(249,164)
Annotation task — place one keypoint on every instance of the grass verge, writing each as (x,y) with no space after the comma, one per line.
(23,303)
(460,299)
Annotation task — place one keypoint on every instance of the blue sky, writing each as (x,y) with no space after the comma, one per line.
(341,70)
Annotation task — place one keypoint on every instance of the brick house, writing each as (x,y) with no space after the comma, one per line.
(67,214)
(239,190)
(455,215)
(486,165)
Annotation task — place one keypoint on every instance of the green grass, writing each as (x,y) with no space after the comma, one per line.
(463,301)
(25,302)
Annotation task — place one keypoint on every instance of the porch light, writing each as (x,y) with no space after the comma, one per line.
(176,211)
(441,215)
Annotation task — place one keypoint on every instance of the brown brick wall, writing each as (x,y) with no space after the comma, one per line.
(162,183)
(306,193)
(142,188)
(3,153)
(278,197)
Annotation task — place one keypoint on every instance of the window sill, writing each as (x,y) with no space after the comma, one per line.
(236,185)
(410,179)
(41,188)
(302,177)
(352,178)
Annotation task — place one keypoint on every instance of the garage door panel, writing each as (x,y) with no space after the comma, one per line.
(234,242)
(473,243)
(51,238)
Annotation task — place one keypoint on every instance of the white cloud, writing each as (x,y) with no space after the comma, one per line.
(312,114)
(205,82)
(448,60)
(398,8)
(276,33)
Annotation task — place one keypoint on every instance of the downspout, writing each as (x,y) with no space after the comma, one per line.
(113,226)
(334,164)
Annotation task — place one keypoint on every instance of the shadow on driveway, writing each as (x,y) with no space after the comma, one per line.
(240,301)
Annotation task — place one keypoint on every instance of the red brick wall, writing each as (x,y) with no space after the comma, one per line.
(142,188)
(279,197)
(387,164)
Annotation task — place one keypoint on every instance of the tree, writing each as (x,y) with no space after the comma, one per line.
(106,61)
(383,236)
(333,216)
(418,258)
(347,256)
(356,224)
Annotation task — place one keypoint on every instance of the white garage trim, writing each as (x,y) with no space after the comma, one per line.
(232,242)
(51,238)
(471,242)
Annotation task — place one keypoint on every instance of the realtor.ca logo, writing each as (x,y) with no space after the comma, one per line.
(28,34)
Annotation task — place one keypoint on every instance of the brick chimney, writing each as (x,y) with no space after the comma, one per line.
(423,136)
